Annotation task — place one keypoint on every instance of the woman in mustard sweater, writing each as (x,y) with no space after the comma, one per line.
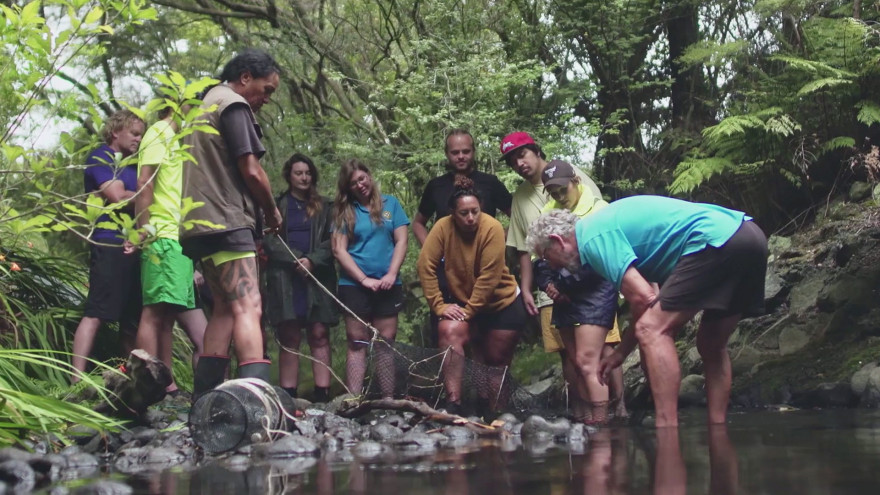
(485,307)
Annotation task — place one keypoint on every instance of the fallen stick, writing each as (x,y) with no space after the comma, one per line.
(422,409)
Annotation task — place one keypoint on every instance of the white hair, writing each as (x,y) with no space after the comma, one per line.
(555,222)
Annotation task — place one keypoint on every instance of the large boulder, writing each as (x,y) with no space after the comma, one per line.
(859,381)
(692,391)
(792,339)
(871,394)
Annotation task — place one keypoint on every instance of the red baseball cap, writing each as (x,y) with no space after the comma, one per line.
(515,141)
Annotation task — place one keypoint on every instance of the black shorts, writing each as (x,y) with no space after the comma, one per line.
(114,286)
(723,281)
(368,304)
(591,305)
(513,317)
(238,240)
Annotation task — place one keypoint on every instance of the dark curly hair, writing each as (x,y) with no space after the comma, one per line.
(257,62)
(464,186)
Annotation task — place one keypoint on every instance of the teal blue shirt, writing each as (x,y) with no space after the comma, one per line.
(372,245)
(651,233)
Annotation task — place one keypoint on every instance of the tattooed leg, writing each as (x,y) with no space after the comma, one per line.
(236,288)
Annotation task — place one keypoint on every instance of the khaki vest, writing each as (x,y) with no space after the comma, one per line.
(214,177)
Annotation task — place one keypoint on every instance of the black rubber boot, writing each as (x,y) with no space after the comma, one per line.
(258,368)
(291,391)
(209,373)
(322,394)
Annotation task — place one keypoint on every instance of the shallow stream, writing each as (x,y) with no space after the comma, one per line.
(795,452)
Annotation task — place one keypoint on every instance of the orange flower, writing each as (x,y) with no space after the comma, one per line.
(14,267)
(2,257)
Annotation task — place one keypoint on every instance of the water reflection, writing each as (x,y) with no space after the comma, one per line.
(811,453)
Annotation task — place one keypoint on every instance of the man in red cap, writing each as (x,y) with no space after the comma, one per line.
(527,159)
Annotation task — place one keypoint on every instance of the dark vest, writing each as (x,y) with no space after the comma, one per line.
(214,178)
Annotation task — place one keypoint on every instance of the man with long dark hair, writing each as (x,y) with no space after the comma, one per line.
(228,178)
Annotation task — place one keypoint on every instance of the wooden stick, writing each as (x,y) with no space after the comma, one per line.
(422,409)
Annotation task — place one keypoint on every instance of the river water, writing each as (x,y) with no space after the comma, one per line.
(794,452)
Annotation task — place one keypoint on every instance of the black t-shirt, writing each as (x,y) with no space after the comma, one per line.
(494,196)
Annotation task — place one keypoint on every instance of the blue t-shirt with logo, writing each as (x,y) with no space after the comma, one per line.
(372,244)
(651,233)
(101,167)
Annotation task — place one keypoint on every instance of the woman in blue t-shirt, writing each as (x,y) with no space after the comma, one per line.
(369,242)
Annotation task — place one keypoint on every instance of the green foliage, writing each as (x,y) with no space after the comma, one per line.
(27,405)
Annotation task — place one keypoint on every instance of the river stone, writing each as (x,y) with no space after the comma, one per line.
(50,467)
(419,442)
(691,392)
(13,454)
(306,427)
(576,434)
(773,285)
(804,294)
(859,380)
(130,460)
(18,475)
(539,427)
(289,446)
(459,433)
(692,362)
(871,395)
(838,394)
(743,359)
(369,449)
(384,432)
(856,293)
(859,191)
(792,339)
(82,434)
(104,487)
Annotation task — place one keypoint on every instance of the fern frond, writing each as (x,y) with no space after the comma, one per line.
(869,112)
(782,125)
(691,173)
(837,143)
(813,67)
(824,83)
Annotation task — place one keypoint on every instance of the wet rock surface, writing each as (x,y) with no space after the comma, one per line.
(383,437)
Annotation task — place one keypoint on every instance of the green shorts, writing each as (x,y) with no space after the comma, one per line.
(167,275)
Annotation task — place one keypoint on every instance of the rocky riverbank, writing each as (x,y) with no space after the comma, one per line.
(161,440)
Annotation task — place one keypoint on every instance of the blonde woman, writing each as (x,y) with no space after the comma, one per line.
(369,241)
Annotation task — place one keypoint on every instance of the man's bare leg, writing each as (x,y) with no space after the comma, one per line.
(655,332)
(712,345)
(236,288)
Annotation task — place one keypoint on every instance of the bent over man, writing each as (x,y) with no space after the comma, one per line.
(704,257)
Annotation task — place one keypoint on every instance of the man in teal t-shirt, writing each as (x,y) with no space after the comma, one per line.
(704,257)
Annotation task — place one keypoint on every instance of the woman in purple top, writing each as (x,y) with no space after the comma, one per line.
(293,301)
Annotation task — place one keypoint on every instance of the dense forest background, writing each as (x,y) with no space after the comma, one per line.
(770,106)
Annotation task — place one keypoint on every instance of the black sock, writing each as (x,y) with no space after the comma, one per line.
(291,391)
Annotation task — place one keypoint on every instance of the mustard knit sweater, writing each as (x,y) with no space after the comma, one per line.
(475,267)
